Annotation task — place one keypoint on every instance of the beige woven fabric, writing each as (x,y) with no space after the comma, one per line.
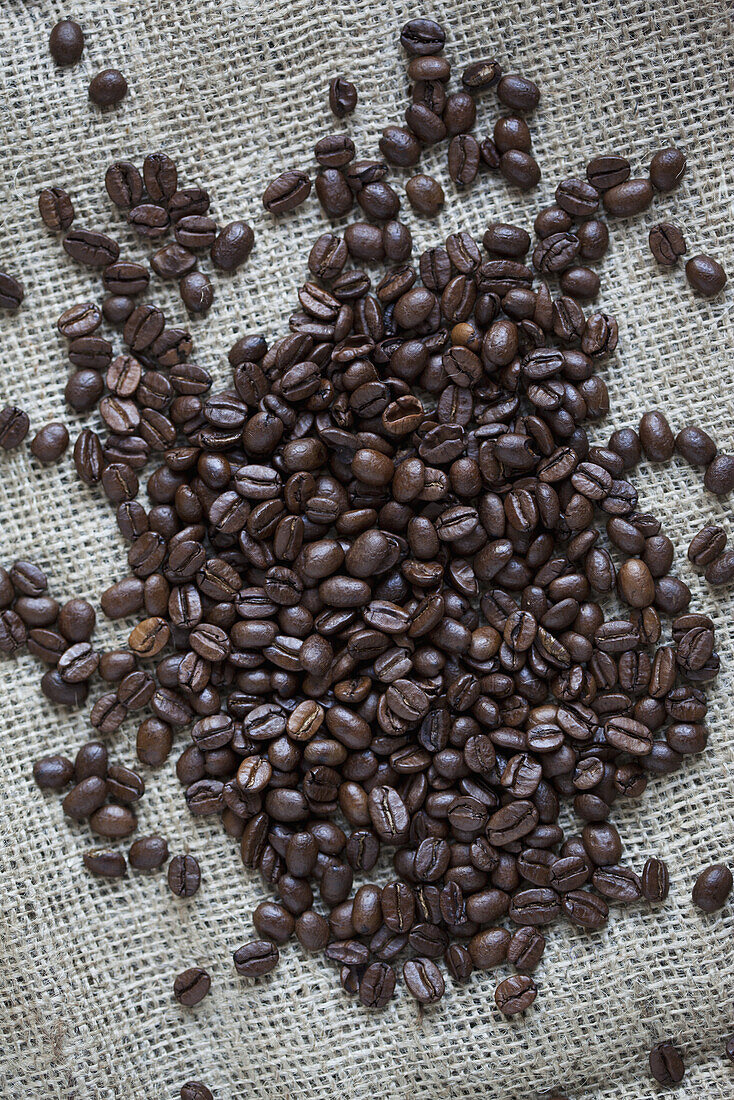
(236,91)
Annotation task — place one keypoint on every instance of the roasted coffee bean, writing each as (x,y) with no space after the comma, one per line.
(719,476)
(656,437)
(232,245)
(422,37)
(256,958)
(56,208)
(667,243)
(626,199)
(515,994)
(191,986)
(520,169)
(666,1064)
(518,93)
(342,97)
(148,853)
(425,194)
(11,291)
(666,168)
(184,876)
(91,759)
(66,42)
(91,248)
(706,275)
(398,146)
(124,184)
(149,220)
(107,87)
(85,798)
(654,881)
(197,293)
(105,862)
(707,545)
(721,569)
(712,888)
(173,262)
(424,980)
(194,1090)
(286,192)
(49,443)
(14,426)
(53,772)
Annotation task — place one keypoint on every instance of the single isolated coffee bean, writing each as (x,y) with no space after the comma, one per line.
(425,194)
(191,986)
(11,292)
(194,1090)
(705,275)
(342,97)
(56,209)
(66,42)
(656,437)
(184,876)
(667,168)
(107,88)
(712,888)
(667,243)
(695,445)
(14,426)
(666,1064)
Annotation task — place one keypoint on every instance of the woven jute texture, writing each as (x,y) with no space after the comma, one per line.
(236,92)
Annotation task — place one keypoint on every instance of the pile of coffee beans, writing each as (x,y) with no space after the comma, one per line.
(402,603)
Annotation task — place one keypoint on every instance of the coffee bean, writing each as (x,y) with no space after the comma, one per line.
(148,853)
(605,172)
(481,74)
(149,220)
(197,293)
(666,1064)
(656,437)
(719,476)
(124,184)
(89,247)
(706,275)
(425,194)
(721,569)
(191,986)
(666,168)
(695,445)
(519,168)
(424,980)
(286,192)
(334,150)
(712,888)
(342,97)
(377,985)
(655,882)
(184,876)
(464,156)
(515,994)
(624,200)
(518,93)
(398,146)
(256,958)
(667,243)
(707,545)
(107,87)
(194,1090)
(53,772)
(66,42)
(422,37)
(232,245)
(11,291)
(14,427)
(56,209)
(105,862)
(85,798)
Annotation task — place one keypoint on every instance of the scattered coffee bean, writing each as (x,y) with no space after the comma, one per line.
(191,986)
(194,1090)
(706,275)
(712,888)
(256,958)
(14,426)
(56,209)
(666,1064)
(666,168)
(667,243)
(11,292)
(66,42)
(105,862)
(184,876)
(107,87)
(342,97)
(719,476)
(425,194)
(53,772)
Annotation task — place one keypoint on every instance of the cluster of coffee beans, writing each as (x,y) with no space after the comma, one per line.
(66,44)
(400,599)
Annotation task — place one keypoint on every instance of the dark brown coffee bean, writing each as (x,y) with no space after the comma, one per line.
(398,146)
(56,209)
(256,958)
(191,986)
(712,888)
(424,980)
(124,184)
(53,772)
(342,97)
(719,476)
(149,220)
(14,426)
(184,876)
(232,245)
(604,172)
(655,882)
(66,42)
(624,200)
(518,93)
(667,243)
(666,1064)
(286,192)
(666,168)
(422,37)
(425,194)
(197,292)
(520,169)
(105,862)
(148,853)
(515,994)
(656,437)
(707,545)
(91,248)
(481,74)
(107,87)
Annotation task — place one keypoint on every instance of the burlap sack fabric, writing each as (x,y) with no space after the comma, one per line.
(236,92)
